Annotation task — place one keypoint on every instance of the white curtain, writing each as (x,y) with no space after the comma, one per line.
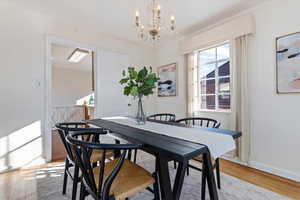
(240,119)
(191,84)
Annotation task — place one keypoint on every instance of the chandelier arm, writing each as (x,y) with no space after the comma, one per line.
(154,31)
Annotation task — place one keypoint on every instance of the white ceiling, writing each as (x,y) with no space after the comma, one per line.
(115,17)
(60,56)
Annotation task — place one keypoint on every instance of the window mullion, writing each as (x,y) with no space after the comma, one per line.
(212,62)
(199,82)
(216,81)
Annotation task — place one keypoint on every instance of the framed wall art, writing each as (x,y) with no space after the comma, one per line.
(167,85)
(288,63)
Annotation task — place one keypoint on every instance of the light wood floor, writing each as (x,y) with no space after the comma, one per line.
(271,182)
(20,185)
(23,184)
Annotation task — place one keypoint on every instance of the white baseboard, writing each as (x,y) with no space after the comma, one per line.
(37,162)
(9,170)
(279,172)
(234,160)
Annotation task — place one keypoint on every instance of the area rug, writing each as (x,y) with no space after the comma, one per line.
(49,185)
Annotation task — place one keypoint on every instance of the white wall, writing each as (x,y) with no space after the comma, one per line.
(108,82)
(110,103)
(68,86)
(274,118)
(23,44)
(166,53)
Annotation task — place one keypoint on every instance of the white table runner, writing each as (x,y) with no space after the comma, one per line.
(218,144)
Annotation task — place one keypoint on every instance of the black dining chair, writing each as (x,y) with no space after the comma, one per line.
(209,123)
(166,117)
(118,179)
(64,129)
(200,121)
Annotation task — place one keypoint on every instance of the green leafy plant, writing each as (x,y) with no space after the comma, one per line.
(138,83)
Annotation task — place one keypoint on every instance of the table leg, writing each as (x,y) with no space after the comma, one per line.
(203,183)
(164,178)
(180,174)
(157,178)
(210,177)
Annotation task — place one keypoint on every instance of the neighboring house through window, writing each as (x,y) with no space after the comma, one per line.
(214,78)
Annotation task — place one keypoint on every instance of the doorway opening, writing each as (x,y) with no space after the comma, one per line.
(70,90)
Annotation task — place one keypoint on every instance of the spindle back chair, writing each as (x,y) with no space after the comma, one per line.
(200,121)
(110,180)
(163,117)
(64,129)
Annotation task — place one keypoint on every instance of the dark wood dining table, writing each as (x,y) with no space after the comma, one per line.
(165,149)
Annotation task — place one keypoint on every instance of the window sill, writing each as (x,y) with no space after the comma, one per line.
(215,111)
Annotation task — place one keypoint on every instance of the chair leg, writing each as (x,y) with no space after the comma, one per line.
(203,184)
(65,176)
(156,187)
(157,180)
(175,165)
(82,192)
(188,170)
(134,156)
(95,164)
(129,155)
(75,182)
(218,173)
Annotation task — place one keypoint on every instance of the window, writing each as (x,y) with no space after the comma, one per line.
(213,68)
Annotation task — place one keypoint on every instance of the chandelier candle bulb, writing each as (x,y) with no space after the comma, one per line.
(142,32)
(137,20)
(172,19)
(158,11)
(172,22)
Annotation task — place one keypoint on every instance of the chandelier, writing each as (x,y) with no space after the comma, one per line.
(152,30)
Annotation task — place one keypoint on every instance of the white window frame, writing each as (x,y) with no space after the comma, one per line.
(216,78)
